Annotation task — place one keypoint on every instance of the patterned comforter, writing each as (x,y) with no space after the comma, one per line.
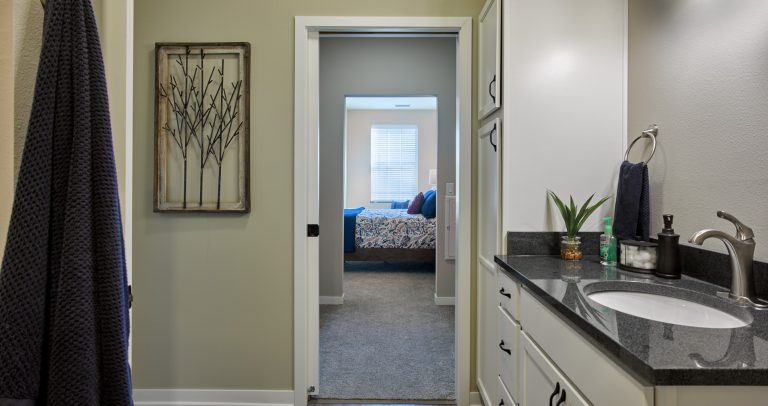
(394,228)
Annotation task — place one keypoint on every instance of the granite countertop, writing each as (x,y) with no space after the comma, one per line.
(656,353)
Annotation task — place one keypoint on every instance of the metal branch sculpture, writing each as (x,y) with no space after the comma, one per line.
(225,125)
(181,105)
(211,120)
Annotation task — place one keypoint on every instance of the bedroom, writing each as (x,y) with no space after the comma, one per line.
(386,273)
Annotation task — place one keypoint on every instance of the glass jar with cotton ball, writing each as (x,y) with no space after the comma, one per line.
(638,256)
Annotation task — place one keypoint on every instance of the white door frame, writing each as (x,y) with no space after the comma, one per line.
(305,184)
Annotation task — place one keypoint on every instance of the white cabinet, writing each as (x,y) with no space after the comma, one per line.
(542,382)
(488,245)
(487,345)
(489,76)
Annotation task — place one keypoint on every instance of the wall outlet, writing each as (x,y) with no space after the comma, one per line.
(450,189)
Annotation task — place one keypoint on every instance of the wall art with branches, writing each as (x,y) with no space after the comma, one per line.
(202,127)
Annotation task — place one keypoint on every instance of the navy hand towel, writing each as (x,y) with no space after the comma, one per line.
(632,215)
(63,288)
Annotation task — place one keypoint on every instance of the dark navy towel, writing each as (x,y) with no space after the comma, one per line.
(632,216)
(63,289)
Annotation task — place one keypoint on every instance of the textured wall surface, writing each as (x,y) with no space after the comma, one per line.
(564,108)
(700,70)
(213,293)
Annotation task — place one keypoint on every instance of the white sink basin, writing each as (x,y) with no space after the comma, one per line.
(666,309)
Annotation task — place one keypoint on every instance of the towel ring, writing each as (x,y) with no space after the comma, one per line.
(651,132)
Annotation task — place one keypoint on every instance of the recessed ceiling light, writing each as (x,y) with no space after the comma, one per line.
(402,105)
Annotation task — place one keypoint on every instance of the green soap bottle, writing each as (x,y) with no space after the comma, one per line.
(607,244)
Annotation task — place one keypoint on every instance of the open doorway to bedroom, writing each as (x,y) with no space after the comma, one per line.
(387,158)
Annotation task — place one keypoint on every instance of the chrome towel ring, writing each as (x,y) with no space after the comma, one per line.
(651,132)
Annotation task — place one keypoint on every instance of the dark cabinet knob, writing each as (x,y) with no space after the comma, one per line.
(504,293)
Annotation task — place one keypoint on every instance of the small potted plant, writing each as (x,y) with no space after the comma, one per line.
(574,217)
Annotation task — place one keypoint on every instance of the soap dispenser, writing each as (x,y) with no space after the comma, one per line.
(668,265)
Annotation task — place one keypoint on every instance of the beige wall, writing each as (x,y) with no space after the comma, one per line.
(27,36)
(700,70)
(358,150)
(213,293)
(6,117)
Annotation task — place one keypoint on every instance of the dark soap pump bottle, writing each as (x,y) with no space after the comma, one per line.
(668,265)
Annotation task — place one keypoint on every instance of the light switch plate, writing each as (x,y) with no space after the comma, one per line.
(450,189)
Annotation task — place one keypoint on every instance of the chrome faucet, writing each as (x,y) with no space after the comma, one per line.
(741,250)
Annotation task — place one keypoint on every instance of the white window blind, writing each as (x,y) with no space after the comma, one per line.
(394,162)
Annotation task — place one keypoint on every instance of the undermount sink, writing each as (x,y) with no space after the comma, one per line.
(660,304)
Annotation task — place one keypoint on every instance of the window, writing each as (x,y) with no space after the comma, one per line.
(394,162)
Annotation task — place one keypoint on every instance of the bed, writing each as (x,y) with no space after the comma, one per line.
(388,235)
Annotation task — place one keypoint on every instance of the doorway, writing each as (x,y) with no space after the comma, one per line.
(306,186)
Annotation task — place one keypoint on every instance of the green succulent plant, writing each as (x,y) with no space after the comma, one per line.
(573,216)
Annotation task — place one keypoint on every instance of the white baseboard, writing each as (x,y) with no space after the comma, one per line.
(445,300)
(475,399)
(211,397)
(332,300)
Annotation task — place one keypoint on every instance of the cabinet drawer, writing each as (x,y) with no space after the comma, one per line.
(505,398)
(542,382)
(509,294)
(509,351)
(585,365)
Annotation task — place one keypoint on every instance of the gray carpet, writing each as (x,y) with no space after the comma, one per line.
(388,340)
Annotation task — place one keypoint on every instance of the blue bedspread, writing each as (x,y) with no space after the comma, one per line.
(350,220)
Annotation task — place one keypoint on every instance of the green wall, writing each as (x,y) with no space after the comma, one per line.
(213,293)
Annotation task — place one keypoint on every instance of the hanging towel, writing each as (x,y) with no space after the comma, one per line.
(63,291)
(632,216)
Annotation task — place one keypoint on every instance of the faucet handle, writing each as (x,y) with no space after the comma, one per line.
(743,232)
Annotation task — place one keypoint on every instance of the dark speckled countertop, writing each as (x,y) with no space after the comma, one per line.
(654,352)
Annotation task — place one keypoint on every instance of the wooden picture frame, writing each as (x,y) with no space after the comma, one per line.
(202,127)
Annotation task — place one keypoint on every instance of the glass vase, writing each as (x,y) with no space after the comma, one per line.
(570,248)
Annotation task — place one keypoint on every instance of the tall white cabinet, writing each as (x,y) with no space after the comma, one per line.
(488,245)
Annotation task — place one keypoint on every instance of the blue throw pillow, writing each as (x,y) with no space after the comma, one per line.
(399,204)
(429,208)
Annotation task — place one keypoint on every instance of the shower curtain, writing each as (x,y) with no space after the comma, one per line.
(63,291)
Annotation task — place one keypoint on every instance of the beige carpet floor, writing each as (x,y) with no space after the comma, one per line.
(388,340)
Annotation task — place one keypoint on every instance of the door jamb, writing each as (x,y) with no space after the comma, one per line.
(306,126)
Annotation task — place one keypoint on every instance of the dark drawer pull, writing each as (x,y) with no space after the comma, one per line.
(504,293)
(552,397)
(507,350)
(490,89)
(501,402)
(562,399)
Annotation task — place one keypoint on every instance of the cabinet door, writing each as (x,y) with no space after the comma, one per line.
(488,339)
(542,383)
(488,191)
(489,87)
(488,245)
